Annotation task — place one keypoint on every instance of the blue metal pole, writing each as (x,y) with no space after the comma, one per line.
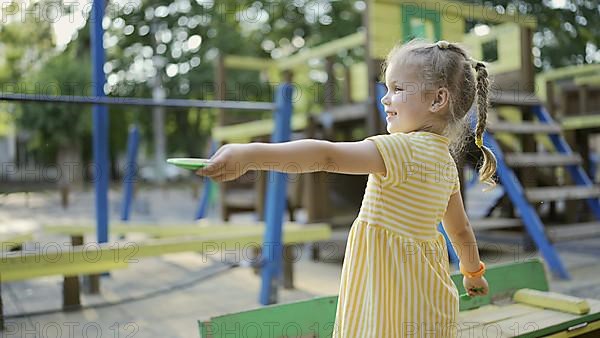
(451,252)
(276,201)
(206,197)
(100,122)
(130,172)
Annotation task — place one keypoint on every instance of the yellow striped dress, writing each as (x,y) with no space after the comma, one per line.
(395,277)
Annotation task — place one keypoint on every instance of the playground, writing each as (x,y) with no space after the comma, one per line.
(106,230)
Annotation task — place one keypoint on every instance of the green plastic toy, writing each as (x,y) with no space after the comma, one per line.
(189,163)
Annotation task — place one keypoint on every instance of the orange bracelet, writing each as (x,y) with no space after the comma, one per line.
(473,274)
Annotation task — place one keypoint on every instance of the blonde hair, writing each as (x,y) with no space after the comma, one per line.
(445,64)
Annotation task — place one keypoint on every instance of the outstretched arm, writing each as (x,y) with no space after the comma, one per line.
(462,237)
(233,160)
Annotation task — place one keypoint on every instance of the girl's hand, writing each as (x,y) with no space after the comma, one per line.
(476,286)
(227,164)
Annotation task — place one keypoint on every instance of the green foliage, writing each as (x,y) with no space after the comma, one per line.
(566,33)
(57,125)
(173,44)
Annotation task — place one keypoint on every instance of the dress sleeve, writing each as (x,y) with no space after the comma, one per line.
(396,153)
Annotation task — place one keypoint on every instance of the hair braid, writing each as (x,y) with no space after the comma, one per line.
(488,168)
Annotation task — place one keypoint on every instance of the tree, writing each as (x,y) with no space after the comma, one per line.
(566,34)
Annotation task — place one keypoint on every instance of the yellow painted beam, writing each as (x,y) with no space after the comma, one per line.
(456,9)
(161,230)
(580,122)
(212,244)
(11,241)
(96,258)
(300,58)
(588,80)
(244,132)
(65,262)
(322,51)
(575,72)
(570,71)
(248,62)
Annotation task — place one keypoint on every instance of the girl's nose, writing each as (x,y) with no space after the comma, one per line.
(385,100)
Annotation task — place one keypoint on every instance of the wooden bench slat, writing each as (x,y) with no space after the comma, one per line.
(199,229)
(537,159)
(98,258)
(514,98)
(28,270)
(495,223)
(524,128)
(561,193)
(565,232)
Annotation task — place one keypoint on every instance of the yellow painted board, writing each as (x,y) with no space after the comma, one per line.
(588,80)
(94,258)
(467,11)
(216,244)
(452,29)
(360,87)
(23,272)
(10,242)
(508,39)
(581,122)
(244,132)
(321,51)
(173,230)
(247,62)
(385,28)
(575,72)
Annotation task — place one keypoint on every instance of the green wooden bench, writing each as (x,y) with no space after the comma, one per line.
(493,314)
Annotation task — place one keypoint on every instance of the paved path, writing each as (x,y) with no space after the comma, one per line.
(165,296)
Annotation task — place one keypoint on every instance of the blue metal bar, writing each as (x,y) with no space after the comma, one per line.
(207,188)
(100,122)
(380,91)
(130,172)
(451,252)
(276,201)
(533,224)
(99,98)
(577,173)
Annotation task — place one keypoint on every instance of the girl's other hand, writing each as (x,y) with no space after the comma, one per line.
(227,164)
(476,286)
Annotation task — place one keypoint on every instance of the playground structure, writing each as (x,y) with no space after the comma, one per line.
(345,108)
(522,135)
(526,139)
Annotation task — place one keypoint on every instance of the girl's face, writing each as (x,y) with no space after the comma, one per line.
(407,103)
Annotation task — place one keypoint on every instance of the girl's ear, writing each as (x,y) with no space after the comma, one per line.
(440,101)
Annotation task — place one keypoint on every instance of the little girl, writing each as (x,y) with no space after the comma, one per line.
(395,277)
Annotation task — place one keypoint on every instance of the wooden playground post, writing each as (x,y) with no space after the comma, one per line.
(527,175)
(71,299)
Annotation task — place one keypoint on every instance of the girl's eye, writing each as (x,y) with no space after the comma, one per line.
(398,89)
